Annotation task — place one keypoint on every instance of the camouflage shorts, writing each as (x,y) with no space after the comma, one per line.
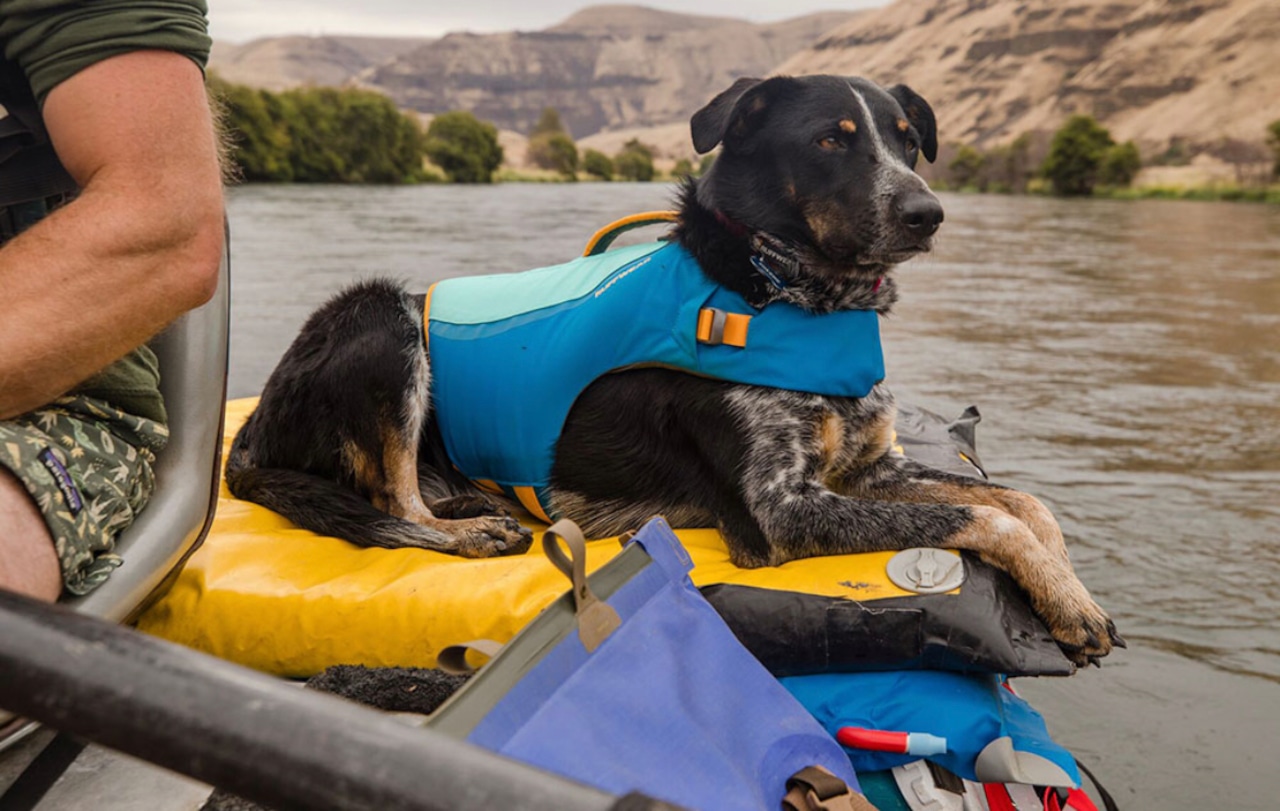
(88,465)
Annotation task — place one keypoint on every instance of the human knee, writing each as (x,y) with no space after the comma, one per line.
(28,563)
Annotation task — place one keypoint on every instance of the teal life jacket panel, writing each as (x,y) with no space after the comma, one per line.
(510,354)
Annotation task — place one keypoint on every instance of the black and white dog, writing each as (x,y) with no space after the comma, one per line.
(819,168)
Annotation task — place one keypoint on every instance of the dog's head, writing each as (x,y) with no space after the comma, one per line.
(824,162)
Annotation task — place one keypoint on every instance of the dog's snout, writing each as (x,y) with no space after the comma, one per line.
(920,213)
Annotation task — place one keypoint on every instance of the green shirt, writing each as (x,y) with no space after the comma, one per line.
(50,40)
(44,42)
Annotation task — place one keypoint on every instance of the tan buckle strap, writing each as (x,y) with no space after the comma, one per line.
(816,789)
(596,618)
(453,659)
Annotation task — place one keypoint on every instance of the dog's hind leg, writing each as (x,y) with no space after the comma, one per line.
(334,441)
(478,532)
(394,485)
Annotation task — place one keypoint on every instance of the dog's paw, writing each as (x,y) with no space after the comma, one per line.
(468,506)
(1083,631)
(490,537)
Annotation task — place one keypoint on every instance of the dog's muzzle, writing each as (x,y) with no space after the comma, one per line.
(919,213)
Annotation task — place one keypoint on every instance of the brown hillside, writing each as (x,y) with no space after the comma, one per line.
(604,68)
(277,63)
(1195,70)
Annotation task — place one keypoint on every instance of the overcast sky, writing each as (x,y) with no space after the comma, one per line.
(243,20)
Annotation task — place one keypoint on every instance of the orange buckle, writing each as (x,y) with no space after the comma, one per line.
(716,327)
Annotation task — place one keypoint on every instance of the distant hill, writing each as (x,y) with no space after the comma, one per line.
(604,68)
(1195,71)
(277,63)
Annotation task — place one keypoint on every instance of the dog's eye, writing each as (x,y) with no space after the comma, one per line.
(830,142)
(912,146)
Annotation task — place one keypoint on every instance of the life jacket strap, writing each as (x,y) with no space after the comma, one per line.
(716,327)
(816,789)
(602,239)
(426,318)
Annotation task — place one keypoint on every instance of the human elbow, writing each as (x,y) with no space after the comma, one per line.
(188,248)
(205,259)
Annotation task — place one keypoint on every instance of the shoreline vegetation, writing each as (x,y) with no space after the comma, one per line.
(351,135)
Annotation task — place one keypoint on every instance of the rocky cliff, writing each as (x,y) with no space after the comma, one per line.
(1197,71)
(276,63)
(604,68)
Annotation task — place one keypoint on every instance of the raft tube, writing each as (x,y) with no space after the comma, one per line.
(266,594)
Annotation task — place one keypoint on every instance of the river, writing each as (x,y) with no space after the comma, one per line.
(1125,357)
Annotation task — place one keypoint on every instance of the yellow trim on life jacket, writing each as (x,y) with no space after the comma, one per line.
(490,487)
(602,239)
(426,318)
(529,500)
(735,328)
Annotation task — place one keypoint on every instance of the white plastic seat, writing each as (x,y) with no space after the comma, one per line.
(193,370)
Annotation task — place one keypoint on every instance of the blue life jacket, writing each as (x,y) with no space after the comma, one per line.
(511,353)
(993,735)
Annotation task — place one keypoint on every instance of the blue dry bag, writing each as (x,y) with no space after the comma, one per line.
(643,688)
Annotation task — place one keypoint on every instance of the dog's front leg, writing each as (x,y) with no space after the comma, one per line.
(893,478)
(807,519)
(1011,530)
(793,513)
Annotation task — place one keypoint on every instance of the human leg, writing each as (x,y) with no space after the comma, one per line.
(85,468)
(28,563)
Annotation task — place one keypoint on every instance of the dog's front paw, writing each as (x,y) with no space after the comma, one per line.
(468,506)
(1082,629)
(490,537)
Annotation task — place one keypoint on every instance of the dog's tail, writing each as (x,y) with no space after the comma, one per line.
(324,507)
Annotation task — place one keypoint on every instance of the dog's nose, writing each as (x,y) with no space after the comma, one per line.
(920,213)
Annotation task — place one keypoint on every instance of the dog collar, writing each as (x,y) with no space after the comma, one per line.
(768,254)
(773,258)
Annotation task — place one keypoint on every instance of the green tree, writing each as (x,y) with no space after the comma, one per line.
(966,167)
(1075,156)
(548,123)
(310,114)
(319,135)
(683,168)
(1273,141)
(634,161)
(597,164)
(377,142)
(1009,168)
(258,141)
(551,147)
(555,151)
(1120,164)
(465,147)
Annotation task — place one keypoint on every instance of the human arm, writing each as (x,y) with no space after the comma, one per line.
(137,248)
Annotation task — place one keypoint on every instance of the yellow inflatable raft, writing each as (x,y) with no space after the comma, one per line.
(279,599)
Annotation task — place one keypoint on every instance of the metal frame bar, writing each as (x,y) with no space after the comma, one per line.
(249,733)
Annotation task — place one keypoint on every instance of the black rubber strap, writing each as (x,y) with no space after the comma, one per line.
(36,780)
(1107,802)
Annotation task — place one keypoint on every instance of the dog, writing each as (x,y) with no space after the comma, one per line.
(810,206)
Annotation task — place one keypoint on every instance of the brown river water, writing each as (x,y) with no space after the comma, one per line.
(1125,357)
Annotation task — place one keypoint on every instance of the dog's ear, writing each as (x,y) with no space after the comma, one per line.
(920,114)
(710,124)
(736,113)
